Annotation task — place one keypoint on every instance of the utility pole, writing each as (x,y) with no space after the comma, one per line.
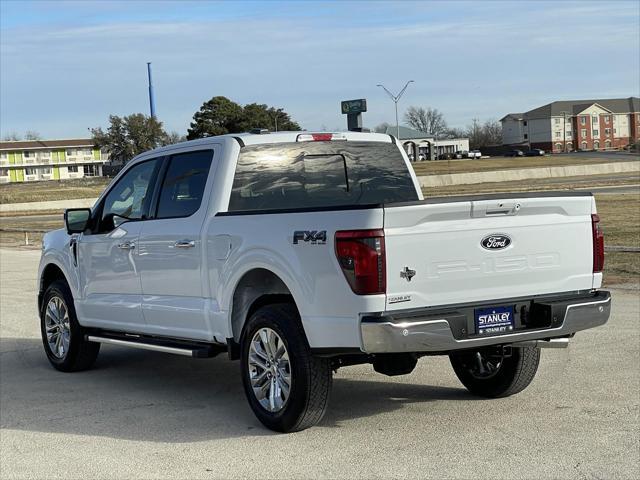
(395,99)
(275,118)
(152,100)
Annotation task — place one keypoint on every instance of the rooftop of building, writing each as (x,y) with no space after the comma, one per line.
(45,144)
(574,107)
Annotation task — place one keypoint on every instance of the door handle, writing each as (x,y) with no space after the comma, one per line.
(185,244)
(127,245)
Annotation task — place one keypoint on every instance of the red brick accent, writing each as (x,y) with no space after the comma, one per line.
(634,127)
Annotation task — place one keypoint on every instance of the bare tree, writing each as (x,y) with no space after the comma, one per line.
(12,137)
(382,128)
(32,135)
(492,132)
(429,120)
(474,132)
(455,133)
(172,137)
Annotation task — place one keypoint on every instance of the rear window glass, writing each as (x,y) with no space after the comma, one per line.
(320,174)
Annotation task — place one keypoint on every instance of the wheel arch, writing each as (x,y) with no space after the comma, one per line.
(256,288)
(50,273)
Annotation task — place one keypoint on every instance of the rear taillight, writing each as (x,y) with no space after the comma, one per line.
(361,257)
(598,244)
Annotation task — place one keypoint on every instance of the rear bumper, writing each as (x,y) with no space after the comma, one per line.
(429,332)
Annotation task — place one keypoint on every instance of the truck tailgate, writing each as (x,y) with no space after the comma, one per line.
(448,251)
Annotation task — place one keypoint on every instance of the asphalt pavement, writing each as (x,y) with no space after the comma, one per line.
(142,414)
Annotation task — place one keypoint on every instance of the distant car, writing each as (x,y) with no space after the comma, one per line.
(535,152)
(445,156)
(459,154)
(421,157)
(475,154)
(515,153)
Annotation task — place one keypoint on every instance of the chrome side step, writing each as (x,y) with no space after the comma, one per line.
(176,348)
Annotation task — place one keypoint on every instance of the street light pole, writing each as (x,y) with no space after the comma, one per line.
(395,99)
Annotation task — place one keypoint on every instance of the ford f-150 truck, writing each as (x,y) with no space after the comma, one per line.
(300,253)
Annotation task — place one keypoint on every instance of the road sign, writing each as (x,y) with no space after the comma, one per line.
(354,106)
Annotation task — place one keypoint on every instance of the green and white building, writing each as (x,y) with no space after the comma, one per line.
(35,160)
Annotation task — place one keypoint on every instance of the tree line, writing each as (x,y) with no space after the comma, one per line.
(432,122)
(130,135)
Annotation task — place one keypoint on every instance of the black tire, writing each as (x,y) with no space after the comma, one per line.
(311,377)
(80,354)
(513,375)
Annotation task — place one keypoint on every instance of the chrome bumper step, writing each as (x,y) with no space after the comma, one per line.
(391,333)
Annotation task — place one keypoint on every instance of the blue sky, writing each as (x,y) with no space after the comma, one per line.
(65,66)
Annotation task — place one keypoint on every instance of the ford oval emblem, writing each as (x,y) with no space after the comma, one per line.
(495,241)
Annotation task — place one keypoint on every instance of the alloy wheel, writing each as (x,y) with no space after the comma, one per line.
(58,328)
(269,370)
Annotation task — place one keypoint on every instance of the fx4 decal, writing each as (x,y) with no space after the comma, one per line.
(310,236)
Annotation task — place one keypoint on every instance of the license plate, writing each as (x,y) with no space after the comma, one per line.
(494,320)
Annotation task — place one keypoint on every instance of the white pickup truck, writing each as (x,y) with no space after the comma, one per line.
(300,253)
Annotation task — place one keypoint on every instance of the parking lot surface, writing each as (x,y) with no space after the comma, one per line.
(142,414)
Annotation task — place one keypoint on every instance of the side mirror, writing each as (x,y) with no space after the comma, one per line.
(77,219)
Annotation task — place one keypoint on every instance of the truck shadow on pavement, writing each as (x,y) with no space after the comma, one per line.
(140,395)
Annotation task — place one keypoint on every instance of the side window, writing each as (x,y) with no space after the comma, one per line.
(183,184)
(129,199)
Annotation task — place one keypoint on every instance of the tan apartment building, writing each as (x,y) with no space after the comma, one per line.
(565,126)
(34,160)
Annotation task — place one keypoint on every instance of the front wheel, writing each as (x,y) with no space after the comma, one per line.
(491,373)
(62,335)
(286,386)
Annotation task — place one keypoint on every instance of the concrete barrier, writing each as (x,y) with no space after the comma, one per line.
(52,205)
(515,175)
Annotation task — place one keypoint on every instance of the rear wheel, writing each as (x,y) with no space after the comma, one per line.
(494,373)
(62,335)
(286,386)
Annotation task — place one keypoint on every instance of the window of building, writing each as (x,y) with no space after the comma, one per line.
(90,170)
(45,171)
(558,147)
(607,144)
(596,133)
(71,152)
(4,156)
(583,133)
(596,145)
(583,145)
(30,171)
(557,121)
(4,172)
(183,184)
(558,134)
(607,132)
(44,153)
(524,123)
(526,136)
(607,119)
(583,120)
(594,120)
(615,130)
(568,135)
(72,169)
(29,154)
